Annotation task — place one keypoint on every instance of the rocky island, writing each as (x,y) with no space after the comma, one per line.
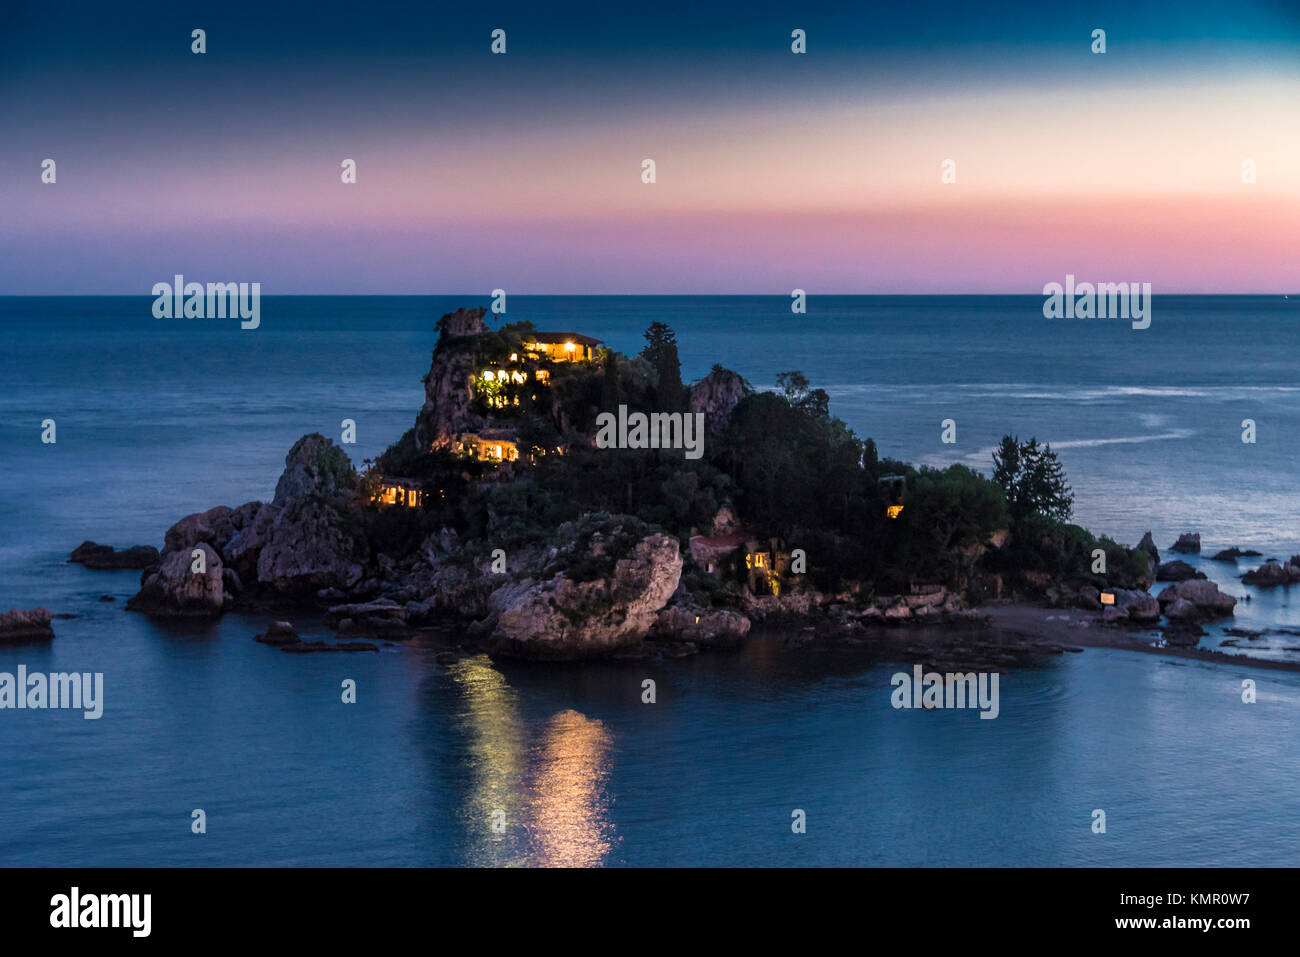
(500,515)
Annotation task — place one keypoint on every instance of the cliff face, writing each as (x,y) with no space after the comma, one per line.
(446,410)
(716,395)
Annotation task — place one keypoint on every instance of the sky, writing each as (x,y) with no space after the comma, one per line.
(774,170)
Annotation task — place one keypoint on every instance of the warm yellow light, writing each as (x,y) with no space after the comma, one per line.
(568,346)
(514,357)
(894,511)
(1107,598)
(487,374)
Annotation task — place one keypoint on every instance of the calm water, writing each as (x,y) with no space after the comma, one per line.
(159,418)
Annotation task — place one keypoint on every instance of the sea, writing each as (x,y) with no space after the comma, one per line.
(779,754)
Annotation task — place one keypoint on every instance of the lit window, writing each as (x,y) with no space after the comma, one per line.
(487,374)
(514,357)
(894,511)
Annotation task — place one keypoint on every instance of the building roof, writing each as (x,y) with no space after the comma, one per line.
(553,338)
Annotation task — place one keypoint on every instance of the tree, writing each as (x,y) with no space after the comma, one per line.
(1032,479)
(661,352)
(794,385)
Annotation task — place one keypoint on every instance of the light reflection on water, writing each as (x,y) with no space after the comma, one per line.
(549,781)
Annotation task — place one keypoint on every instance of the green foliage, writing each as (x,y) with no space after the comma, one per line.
(661,352)
(1032,479)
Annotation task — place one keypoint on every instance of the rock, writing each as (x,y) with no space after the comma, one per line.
(19,625)
(107,598)
(104,558)
(1148,545)
(1138,606)
(1112,614)
(310,545)
(381,617)
(244,547)
(1088,598)
(231,582)
(1203,596)
(899,612)
(314,647)
(314,468)
(710,627)
(1232,554)
(1188,542)
(1180,609)
(446,657)
(173,589)
(279,633)
(1176,571)
(563,618)
(1268,575)
(716,395)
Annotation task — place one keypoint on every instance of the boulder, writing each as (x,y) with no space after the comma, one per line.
(712,627)
(19,625)
(1204,596)
(563,618)
(314,468)
(381,617)
(1176,571)
(173,589)
(1232,554)
(311,545)
(1131,606)
(1188,542)
(1148,545)
(245,545)
(1138,606)
(1269,575)
(105,558)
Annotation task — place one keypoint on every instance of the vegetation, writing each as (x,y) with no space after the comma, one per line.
(1032,479)
(791,470)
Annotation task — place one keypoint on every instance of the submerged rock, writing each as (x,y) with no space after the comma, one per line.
(315,647)
(19,625)
(1232,554)
(106,558)
(279,633)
